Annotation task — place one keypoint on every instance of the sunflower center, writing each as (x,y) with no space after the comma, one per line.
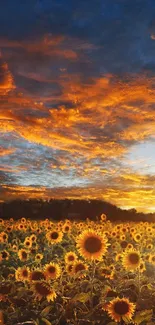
(4,254)
(25,273)
(27,243)
(70,267)
(37,275)
(24,255)
(79,267)
(134,258)
(71,258)
(42,289)
(54,235)
(93,245)
(124,244)
(121,307)
(51,269)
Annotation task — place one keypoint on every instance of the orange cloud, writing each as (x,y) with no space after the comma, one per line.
(93,121)
(5,152)
(6,78)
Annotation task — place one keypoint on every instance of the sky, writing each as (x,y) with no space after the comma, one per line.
(77,101)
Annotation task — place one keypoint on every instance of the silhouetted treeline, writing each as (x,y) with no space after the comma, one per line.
(71,209)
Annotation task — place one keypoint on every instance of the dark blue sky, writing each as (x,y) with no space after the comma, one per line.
(77,100)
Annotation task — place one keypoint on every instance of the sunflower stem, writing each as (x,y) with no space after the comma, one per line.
(139,282)
(92,282)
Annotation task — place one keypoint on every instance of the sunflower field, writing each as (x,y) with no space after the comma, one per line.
(77,272)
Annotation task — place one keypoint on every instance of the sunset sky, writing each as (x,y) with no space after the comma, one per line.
(77,100)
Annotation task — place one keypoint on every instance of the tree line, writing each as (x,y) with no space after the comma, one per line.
(71,209)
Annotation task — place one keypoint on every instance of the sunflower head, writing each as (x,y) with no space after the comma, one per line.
(137,237)
(66,227)
(3,237)
(4,255)
(23,255)
(152,259)
(44,290)
(54,236)
(70,257)
(79,268)
(22,274)
(52,271)
(69,269)
(27,243)
(38,257)
(106,272)
(131,260)
(36,275)
(121,309)
(91,245)
(142,267)
(103,217)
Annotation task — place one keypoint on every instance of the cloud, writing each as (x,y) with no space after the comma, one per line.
(6,78)
(76,93)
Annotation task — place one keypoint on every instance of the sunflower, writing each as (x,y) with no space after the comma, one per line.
(78,268)
(137,237)
(132,230)
(103,217)
(9,228)
(4,255)
(92,245)
(106,272)
(149,246)
(22,273)
(33,238)
(142,267)
(113,234)
(121,309)
(36,275)
(147,257)
(130,246)
(38,257)
(66,227)
(124,244)
(131,260)
(52,271)
(44,290)
(3,237)
(1,222)
(54,236)
(23,220)
(27,242)
(70,257)
(69,269)
(23,255)
(152,259)
(21,227)
(118,257)
(14,248)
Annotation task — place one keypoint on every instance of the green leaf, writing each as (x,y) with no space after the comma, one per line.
(144,315)
(45,311)
(82,297)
